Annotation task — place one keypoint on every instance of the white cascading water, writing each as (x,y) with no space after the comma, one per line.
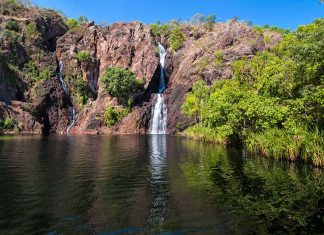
(158,124)
(61,66)
(72,113)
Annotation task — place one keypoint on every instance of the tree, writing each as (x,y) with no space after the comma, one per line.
(210,22)
(120,83)
(176,38)
(72,23)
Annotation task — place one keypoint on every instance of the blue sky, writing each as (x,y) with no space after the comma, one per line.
(283,13)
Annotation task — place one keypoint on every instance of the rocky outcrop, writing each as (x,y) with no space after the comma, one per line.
(39,105)
(127,45)
(30,93)
(209,57)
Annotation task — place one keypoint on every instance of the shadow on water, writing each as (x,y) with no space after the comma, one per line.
(153,184)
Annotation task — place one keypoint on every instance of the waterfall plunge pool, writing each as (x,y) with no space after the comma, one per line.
(154,184)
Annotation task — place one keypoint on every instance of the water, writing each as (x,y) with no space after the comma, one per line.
(72,120)
(159,115)
(158,124)
(61,66)
(162,61)
(72,112)
(153,184)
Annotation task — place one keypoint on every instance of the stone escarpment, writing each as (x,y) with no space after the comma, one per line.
(40,105)
(126,45)
(208,55)
(30,95)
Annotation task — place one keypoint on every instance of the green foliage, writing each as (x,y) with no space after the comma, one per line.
(45,74)
(159,29)
(33,72)
(218,59)
(80,90)
(7,124)
(202,64)
(112,115)
(176,38)
(31,30)
(269,96)
(12,25)
(83,56)
(120,83)
(210,22)
(262,29)
(83,19)
(288,144)
(8,7)
(282,198)
(10,36)
(72,23)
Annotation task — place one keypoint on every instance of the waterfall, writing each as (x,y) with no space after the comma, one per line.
(61,66)
(72,119)
(158,123)
(72,112)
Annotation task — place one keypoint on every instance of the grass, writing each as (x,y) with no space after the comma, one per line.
(83,56)
(282,144)
(298,144)
(207,134)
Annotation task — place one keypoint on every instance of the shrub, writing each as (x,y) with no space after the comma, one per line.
(31,30)
(218,59)
(210,22)
(120,83)
(44,75)
(72,23)
(12,25)
(176,38)
(202,64)
(7,124)
(10,36)
(112,115)
(33,72)
(159,29)
(274,104)
(9,6)
(83,56)
(80,90)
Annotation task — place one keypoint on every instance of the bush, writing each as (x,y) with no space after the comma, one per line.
(80,90)
(31,30)
(112,115)
(210,22)
(83,56)
(120,83)
(176,38)
(7,124)
(10,36)
(8,7)
(283,144)
(33,72)
(274,104)
(44,75)
(159,29)
(218,59)
(72,23)
(12,25)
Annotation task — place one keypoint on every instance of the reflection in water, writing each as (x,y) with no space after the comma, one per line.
(151,185)
(158,180)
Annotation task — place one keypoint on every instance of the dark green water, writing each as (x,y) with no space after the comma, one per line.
(151,185)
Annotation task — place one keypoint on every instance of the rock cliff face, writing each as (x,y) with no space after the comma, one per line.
(130,46)
(208,56)
(40,105)
(28,40)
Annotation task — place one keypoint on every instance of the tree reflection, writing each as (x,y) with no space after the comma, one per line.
(281,196)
